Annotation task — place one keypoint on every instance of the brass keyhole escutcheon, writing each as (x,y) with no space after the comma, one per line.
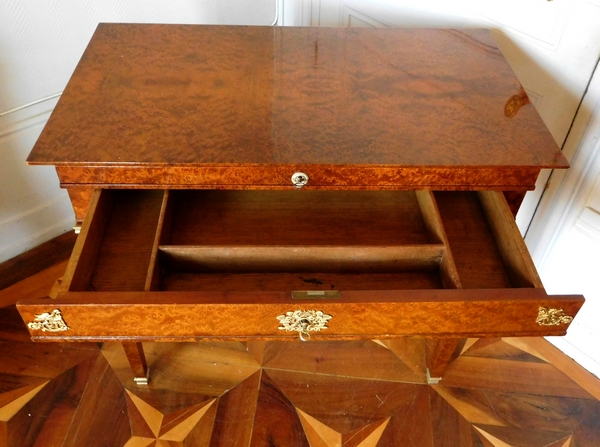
(299,179)
(304,322)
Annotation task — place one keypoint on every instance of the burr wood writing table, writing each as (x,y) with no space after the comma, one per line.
(262,183)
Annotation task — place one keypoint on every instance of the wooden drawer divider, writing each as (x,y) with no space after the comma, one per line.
(417,312)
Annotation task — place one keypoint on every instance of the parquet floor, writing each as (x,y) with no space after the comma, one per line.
(499,392)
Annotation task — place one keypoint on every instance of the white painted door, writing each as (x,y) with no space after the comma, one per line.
(573,266)
(552,46)
(565,232)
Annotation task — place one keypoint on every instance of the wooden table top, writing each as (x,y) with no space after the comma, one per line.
(173,95)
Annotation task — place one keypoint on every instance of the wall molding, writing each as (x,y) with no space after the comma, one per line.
(33,209)
(589,223)
(347,12)
(23,118)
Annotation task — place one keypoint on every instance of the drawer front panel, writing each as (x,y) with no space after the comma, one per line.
(320,177)
(184,316)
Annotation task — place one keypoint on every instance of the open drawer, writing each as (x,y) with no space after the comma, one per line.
(184,265)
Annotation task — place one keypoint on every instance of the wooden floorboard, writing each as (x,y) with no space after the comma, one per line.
(499,392)
(37,259)
(33,289)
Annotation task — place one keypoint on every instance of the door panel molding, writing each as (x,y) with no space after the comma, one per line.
(567,191)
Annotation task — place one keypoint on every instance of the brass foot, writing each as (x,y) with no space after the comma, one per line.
(432,380)
(142,380)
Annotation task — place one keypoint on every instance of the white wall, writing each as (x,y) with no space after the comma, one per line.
(40,45)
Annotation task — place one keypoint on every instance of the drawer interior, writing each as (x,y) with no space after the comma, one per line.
(211,240)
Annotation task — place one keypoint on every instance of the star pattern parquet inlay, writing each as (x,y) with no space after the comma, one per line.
(498,392)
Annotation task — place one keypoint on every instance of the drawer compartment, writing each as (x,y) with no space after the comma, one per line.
(195,264)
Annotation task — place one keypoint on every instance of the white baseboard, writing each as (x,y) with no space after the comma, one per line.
(34,227)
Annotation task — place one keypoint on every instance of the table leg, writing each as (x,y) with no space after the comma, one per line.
(514,200)
(137,360)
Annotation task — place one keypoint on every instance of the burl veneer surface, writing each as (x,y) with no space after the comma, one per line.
(498,392)
(159,95)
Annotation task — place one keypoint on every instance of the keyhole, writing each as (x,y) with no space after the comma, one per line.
(304,334)
(299,179)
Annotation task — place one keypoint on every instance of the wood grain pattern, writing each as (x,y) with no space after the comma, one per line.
(88,244)
(449,427)
(517,391)
(441,352)
(276,421)
(512,247)
(229,282)
(260,94)
(486,374)
(202,107)
(568,366)
(321,357)
(33,261)
(163,228)
(241,233)
(123,261)
(58,402)
(272,218)
(477,259)
(80,199)
(136,358)
(278,177)
(239,402)
(433,221)
(413,425)
(304,258)
(357,394)
(102,404)
(471,404)
(359,402)
(32,289)
(13,330)
(514,199)
(411,350)
(153,315)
